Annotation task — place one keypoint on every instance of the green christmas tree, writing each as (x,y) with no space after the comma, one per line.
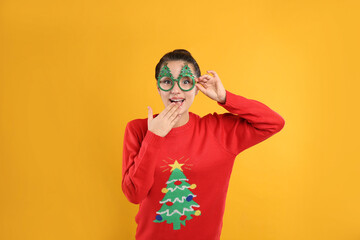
(178,203)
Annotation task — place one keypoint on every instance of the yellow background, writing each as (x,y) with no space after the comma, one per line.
(73,73)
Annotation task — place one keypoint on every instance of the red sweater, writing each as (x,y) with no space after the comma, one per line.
(181,180)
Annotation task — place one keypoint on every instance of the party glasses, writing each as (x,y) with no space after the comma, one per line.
(185,81)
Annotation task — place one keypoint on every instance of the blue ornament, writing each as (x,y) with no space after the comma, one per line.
(158,217)
(189,198)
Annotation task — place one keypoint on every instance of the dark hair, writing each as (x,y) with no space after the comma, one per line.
(178,54)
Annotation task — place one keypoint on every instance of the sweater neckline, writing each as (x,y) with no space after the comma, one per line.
(184,127)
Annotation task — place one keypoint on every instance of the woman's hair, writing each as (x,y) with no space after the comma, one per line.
(178,54)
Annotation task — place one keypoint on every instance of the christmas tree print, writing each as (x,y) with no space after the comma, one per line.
(178,203)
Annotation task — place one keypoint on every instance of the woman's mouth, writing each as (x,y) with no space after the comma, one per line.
(180,101)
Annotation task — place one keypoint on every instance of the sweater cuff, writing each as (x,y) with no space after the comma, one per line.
(150,143)
(230,98)
(153,139)
(235,103)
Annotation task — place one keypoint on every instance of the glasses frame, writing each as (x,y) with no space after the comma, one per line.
(178,83)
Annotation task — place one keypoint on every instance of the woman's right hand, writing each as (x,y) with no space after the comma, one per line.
(165,121)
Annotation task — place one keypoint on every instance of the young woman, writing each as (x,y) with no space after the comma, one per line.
(177,165)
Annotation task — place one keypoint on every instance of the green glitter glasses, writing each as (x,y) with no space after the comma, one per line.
(185,81)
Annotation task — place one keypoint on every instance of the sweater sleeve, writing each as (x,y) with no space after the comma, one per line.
(138,161)
(248,123)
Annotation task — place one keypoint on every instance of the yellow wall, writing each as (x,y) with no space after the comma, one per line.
(73,73)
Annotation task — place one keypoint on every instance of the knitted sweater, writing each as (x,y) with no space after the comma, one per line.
(181,180)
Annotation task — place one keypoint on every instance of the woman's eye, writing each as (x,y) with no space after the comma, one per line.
(165,81)
(186,81)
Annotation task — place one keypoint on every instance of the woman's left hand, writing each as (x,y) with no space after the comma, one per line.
(211,86)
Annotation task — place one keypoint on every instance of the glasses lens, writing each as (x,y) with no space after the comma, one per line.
(186,83)
(166,83)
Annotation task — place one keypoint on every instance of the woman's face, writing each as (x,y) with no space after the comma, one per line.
(184,98)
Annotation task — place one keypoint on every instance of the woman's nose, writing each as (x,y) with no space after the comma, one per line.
(176,88)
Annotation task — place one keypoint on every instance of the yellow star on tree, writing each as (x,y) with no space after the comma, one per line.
(176,165)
